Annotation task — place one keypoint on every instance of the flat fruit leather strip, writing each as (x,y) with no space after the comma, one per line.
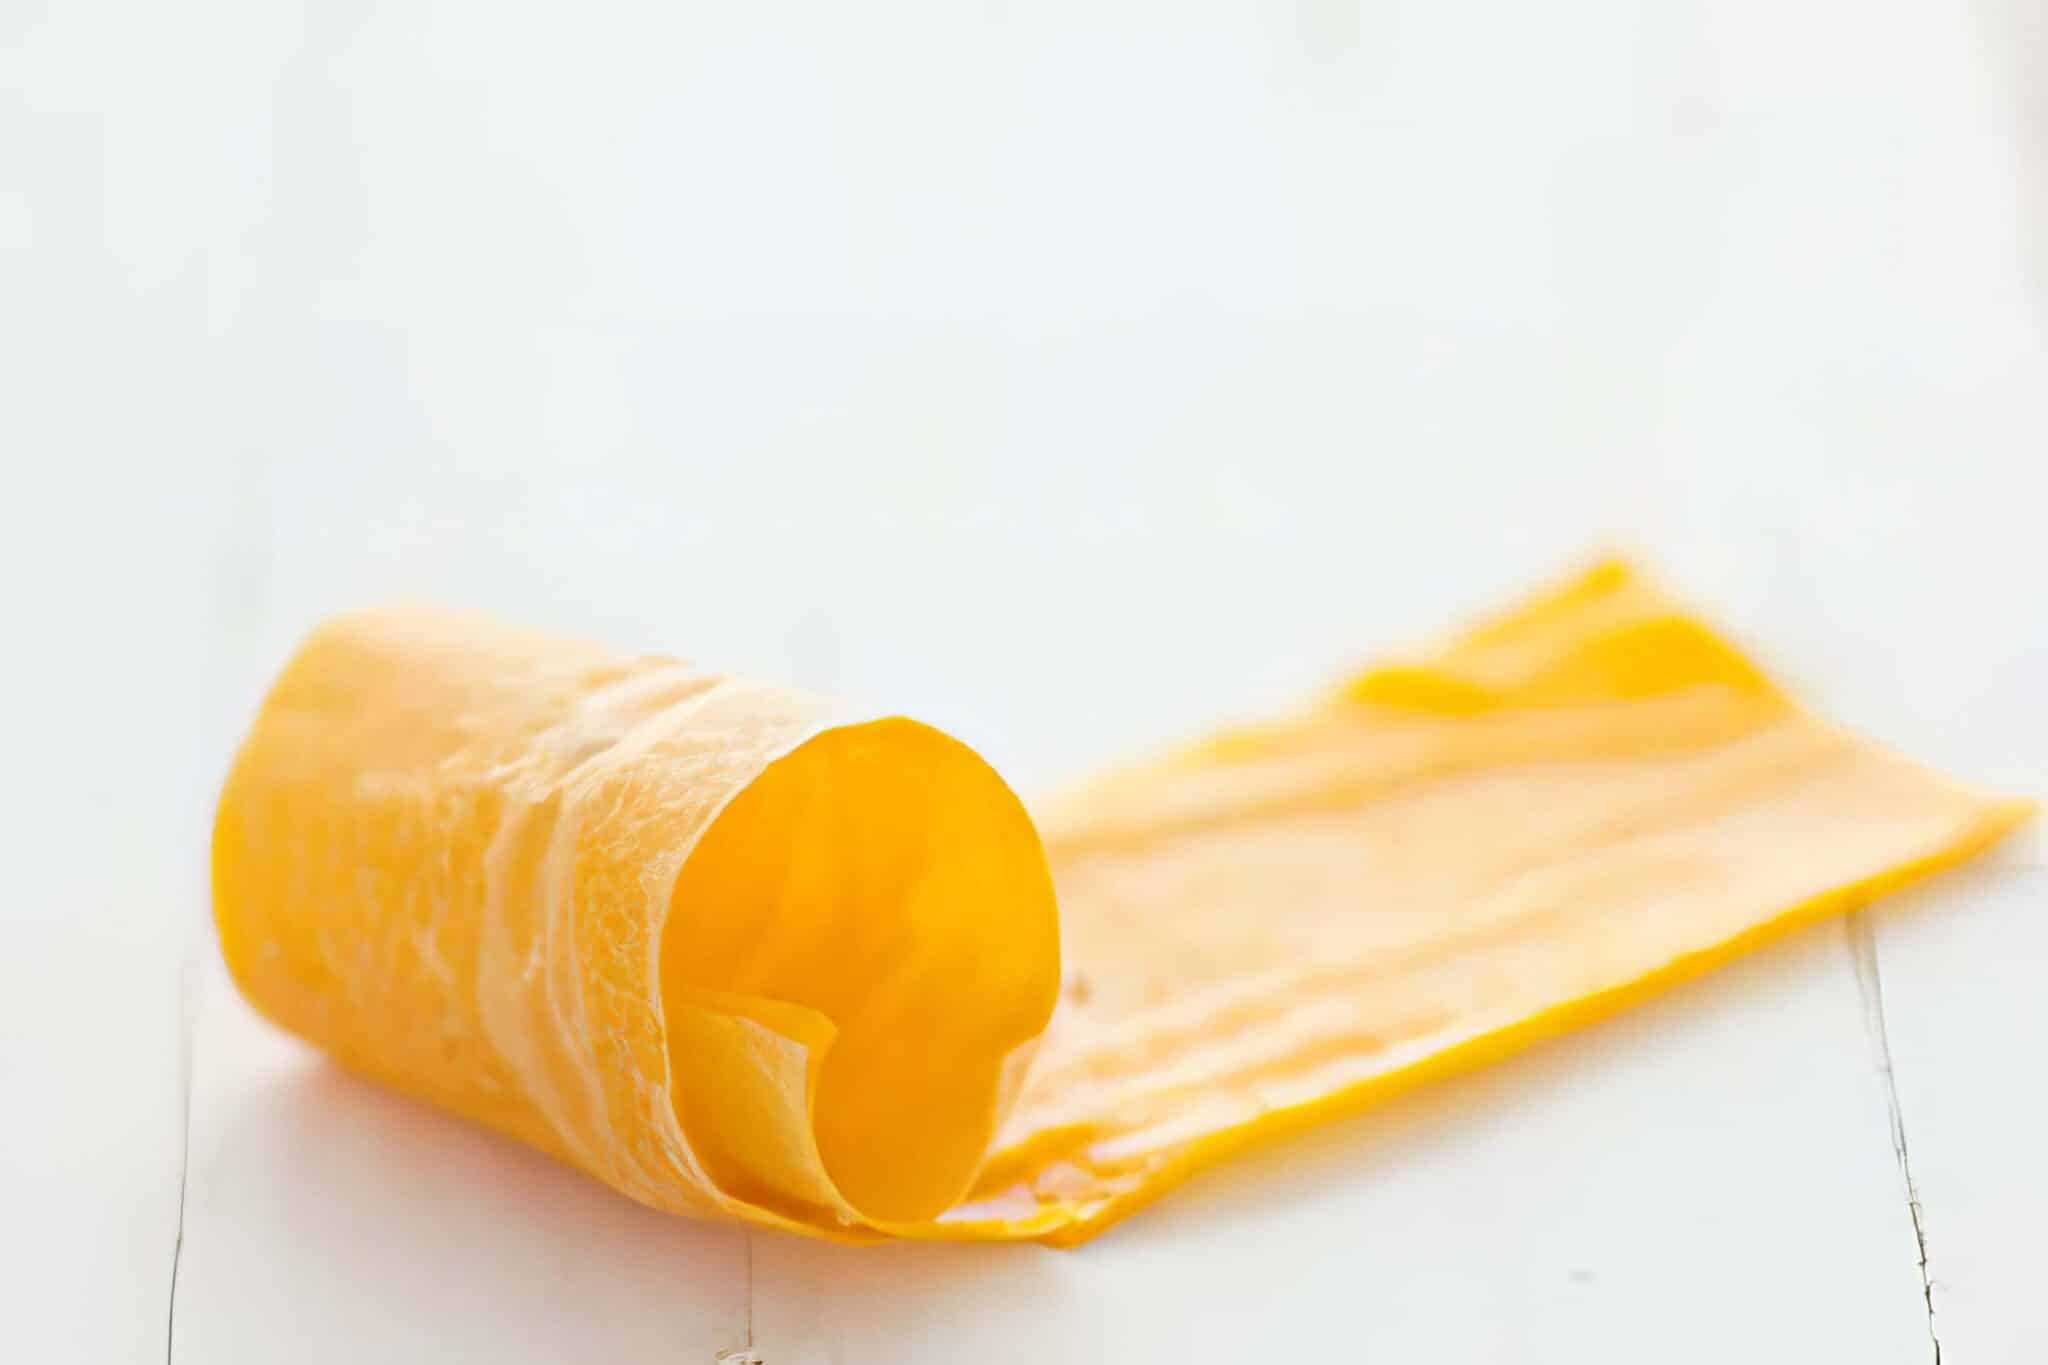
(735,953)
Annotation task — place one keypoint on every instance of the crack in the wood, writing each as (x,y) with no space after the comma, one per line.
(1870,982)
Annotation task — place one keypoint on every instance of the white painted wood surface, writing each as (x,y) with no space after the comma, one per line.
(324,1215)
(1070,379)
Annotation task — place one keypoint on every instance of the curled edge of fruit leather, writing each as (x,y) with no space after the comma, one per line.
(736,955)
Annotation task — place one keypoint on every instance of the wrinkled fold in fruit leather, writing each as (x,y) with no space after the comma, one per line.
(736,953)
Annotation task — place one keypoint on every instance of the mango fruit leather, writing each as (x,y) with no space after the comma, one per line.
(737,953)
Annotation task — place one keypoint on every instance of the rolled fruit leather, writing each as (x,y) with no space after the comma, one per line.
(723,946)
(733,953)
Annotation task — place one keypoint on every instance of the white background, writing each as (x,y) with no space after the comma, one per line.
(1071,376)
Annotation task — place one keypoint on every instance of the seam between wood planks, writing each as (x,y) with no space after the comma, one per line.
(191,976)
(1870,985)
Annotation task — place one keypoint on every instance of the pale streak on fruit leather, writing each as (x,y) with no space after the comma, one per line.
(732,957)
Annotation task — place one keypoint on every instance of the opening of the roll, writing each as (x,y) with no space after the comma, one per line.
(882,877)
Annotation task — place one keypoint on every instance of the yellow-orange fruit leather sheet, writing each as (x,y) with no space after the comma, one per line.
(737,953)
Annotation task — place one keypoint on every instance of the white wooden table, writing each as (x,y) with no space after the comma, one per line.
(1071,379)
